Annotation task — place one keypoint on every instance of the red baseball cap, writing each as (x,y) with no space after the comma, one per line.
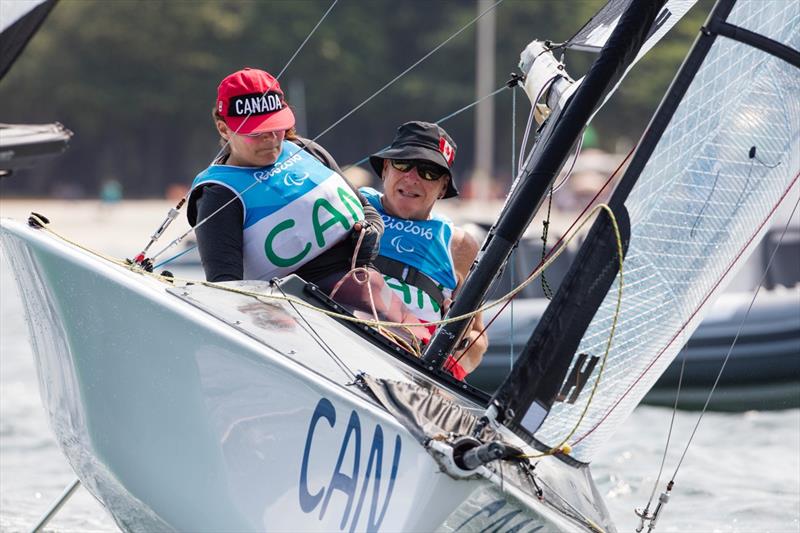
(251,101)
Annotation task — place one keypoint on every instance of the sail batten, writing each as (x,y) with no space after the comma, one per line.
(727,159)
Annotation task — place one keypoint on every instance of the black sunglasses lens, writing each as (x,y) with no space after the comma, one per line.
(402,165)
(430,172)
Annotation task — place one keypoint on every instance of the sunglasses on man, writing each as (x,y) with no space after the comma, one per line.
(427,171)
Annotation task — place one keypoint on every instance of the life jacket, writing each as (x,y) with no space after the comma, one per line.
(416,260)
(294,210)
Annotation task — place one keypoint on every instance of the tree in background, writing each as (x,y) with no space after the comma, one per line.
(136,80)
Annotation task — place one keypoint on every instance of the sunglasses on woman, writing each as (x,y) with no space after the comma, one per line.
(259,135)
(427,171)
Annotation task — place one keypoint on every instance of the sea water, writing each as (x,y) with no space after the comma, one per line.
(741,473)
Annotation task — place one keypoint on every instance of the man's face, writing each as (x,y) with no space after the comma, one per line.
(407,195)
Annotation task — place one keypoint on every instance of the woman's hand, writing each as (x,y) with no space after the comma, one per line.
(370,243)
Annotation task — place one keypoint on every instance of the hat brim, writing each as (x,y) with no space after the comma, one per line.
(414,152)
(280,121)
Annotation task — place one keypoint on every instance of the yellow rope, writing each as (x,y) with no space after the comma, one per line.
(562,447)
(375,323)
(378,323)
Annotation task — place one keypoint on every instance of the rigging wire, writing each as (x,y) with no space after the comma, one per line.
(329,128)
(409,69)
(443,119)
(278,77)
(318,338)
(221,151)
(357,163)
(736,338)
(555,249)
(669,436)
(513,173)
(302,45)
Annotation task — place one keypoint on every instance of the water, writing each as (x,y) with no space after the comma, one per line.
(742,472)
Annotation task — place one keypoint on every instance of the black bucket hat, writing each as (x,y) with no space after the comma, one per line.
(423,141)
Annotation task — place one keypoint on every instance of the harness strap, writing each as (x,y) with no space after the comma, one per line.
(410,275)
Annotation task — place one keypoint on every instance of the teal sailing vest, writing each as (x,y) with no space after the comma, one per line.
(297,209)
(423,246)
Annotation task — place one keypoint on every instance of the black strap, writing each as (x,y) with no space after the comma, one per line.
(410,275)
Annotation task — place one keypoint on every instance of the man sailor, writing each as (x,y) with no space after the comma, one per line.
(424,258)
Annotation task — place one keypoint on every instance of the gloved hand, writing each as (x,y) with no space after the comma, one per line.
(370,244)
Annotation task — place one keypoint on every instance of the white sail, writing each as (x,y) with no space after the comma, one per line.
(728,159)
(14,10)
(593,36)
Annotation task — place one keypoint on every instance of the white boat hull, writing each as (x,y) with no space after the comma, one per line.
(175,419)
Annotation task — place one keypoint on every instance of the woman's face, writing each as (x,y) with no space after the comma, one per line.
(252,150)
(407,195)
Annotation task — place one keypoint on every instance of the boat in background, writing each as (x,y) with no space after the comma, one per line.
(763,370)
(25,145)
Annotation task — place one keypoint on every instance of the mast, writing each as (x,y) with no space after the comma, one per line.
(556,143)
(540,377)
(542,365)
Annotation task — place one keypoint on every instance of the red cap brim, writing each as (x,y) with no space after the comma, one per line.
(279,121)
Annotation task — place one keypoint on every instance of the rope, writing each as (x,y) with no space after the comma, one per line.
(556,245)
(548,292)
(572,166)
(529,126)
(329,128)
(563,447)
(348,318)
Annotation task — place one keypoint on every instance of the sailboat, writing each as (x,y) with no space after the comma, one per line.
(254,405)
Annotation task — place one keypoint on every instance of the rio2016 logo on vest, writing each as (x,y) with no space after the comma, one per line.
(299,209)
(302,210)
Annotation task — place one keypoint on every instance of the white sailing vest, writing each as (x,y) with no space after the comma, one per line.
(422,244)
(298,209)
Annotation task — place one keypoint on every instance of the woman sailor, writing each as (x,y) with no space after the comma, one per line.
(275,203)
(423,256)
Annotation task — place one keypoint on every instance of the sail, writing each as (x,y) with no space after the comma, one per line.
(546,159)
(728,158)
(592,37)
(19,20)
(594,34)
